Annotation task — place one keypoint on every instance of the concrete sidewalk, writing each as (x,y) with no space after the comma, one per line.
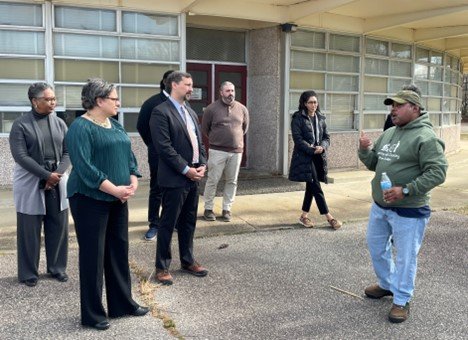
(51,310)
(349,199)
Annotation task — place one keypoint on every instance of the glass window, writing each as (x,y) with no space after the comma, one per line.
(7,119)
(455,78)
(143,23)
(435,73)
(423,86)
(130,121)
(341,107)
(217,45)
(436,58)
(343,63)
(374,103)
(375,84)
(397,84)
(434,118)
(18,42)
(85,19)
(69,96)
(337,82)
(20,14)
(402,51)
(308,39)
(421,71)
(344,43)
(80,70)
(435,89)
(307,80)
(22,68)
(148,49)
(447,75)
(434,104)
(374,121)
(139,73)
(95,46)
(400,68)
(454,91)
(422,55)
(135,96)
(308,61)
(376,66)
(14,95)
(376,47)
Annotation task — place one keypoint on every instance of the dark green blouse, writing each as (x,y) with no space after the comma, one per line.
(98,154)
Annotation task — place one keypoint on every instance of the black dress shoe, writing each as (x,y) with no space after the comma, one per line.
(30,282)
(102,326)
(140,311)
(62,277)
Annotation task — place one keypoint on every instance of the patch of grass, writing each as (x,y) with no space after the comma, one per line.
(147,290)
(462,210)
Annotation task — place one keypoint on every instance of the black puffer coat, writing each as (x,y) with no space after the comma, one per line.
(305,165)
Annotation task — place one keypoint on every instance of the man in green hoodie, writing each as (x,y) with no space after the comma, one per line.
(413,158)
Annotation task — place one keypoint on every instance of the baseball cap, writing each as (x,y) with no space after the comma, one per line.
(405,96)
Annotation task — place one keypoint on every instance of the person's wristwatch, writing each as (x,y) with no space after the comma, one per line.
(405,191)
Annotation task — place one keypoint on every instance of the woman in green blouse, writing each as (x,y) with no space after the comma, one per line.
(103,177)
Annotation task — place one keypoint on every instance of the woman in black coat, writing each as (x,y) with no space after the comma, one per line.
(309,159)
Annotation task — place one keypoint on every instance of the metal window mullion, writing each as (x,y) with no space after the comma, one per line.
(49,45)
(286,46)
(183,41)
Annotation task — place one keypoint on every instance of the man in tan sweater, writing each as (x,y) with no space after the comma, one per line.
(225,122)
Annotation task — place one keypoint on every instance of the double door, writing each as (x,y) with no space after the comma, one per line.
(206,81)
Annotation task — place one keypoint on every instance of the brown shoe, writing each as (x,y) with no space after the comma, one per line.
(209,215)
(164,277)
(226,216)
(375,292)
(195,269)
(306,222)
(399,313)
(335,224)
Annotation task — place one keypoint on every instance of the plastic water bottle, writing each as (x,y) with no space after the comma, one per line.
(385,182)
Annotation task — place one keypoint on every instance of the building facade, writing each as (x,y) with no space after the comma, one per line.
(132,43)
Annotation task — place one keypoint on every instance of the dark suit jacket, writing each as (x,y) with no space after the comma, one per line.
(143,124)
(388,122)
(172,143)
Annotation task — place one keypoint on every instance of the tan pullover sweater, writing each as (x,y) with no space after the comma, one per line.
(226,125)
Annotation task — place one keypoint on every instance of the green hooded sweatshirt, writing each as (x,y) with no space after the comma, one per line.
(412,156)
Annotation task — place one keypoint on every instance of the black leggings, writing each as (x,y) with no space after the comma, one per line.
(313,189)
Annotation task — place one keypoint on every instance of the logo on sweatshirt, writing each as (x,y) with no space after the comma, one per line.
(388,151)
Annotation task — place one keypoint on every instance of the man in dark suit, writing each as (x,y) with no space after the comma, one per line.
(155,194)
(178,142)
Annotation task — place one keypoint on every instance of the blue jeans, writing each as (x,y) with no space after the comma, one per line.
(397,276)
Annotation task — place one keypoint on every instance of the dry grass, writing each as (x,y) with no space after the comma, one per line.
(147,291)
(462,210)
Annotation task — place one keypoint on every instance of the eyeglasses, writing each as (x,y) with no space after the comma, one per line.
(49,100)
(312,102)
(114,99)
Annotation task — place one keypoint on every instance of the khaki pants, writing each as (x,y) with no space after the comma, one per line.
(219,163)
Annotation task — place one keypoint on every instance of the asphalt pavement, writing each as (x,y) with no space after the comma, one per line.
(269,277)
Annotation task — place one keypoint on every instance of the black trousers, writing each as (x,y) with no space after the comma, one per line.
(28,238)
(179,206)
(155,196)
(102,233)
(314,190)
